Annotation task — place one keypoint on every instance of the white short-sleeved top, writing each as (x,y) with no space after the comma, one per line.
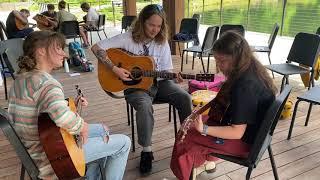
(160,52)
(92,15)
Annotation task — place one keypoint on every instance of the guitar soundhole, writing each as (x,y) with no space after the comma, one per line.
(136,73)
(136,76)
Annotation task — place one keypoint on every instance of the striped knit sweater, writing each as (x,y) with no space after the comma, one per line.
(32,93)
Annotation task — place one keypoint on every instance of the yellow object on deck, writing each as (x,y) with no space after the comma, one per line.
(202,97)
(306,77)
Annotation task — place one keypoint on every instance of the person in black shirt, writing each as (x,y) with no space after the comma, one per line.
(51,18)
(235,115)
(50,12)
(17,24)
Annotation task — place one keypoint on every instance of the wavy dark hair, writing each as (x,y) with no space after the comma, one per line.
(138,33)
(233,44)
(35,40)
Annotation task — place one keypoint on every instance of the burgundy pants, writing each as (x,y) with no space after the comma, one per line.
(195,150)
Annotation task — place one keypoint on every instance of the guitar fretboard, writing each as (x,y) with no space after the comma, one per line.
(166,75)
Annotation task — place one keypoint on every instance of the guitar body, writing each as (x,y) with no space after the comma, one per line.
(66,158)
(110,82)
(42,22)
(20,25)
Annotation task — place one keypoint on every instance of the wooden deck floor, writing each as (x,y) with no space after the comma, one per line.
(296,159)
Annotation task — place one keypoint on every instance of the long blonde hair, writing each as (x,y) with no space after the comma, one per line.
(138,33)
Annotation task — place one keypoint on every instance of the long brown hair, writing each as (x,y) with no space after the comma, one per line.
(35,40)
(138,34)
(233,44)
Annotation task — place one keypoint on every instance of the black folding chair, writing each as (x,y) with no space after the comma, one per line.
(305,51)
(210,36)
(318,31)
(312,96)
(232,27)
(10,50)
(100,27)
(70,29)
(267,49)
(126,22)
(26,162)
(189,26)
(263,139)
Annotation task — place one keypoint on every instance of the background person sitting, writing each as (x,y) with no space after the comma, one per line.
(91,19)
(17,24)
(48,19)
(64,15)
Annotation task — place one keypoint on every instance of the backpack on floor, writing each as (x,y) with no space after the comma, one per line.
(195,85)
(78,57)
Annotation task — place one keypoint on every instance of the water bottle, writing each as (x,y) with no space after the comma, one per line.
(66,66)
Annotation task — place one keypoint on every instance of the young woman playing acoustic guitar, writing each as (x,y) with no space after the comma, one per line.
(35,91)
(235,114)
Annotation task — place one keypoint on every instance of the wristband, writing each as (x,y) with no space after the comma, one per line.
(205,130)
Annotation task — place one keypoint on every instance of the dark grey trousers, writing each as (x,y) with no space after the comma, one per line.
(164,91)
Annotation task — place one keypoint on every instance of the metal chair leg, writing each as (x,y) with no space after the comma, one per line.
(193,61)
(293,119)
(22,172)
(128,113)
(208,62)
(99,35)
(5,85)
(132,130)
(170,108)
(308,115)
(249,173)
(270,64)
(204,70)
(182,61)
(175,120)
(106,34)
(273,164)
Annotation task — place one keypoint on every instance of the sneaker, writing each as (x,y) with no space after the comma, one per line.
(208,166)
(146,162)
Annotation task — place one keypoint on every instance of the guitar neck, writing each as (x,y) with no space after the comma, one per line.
(166,75)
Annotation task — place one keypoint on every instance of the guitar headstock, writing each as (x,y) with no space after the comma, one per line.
(205,77)
(79,92)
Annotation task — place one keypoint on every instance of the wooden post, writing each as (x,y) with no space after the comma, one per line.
(175,13)
(129,7)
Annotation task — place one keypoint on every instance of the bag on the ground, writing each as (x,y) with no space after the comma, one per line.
(78,57)
(195,85)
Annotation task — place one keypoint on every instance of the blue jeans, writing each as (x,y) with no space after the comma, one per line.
(111,156)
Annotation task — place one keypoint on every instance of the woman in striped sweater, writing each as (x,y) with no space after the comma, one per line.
(35,91)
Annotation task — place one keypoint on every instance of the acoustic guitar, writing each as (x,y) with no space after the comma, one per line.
(22,25)
(63,150)
(42,22)
(141,69)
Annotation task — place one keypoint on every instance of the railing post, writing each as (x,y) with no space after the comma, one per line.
(248,15)
(202,12)
(282,18)
(221,1)
(188,8)
(114,16)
